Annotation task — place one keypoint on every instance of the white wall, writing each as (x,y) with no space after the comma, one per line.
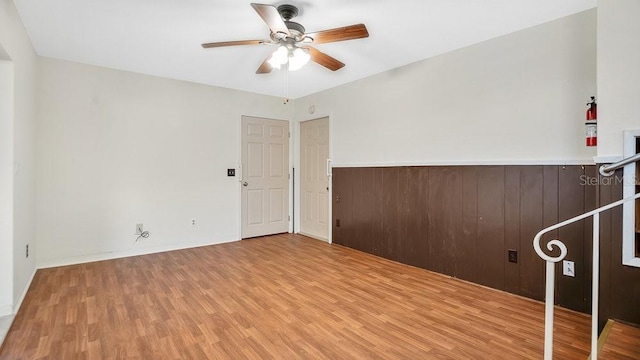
(518,99)
(618,73)
(118,148)
(17,46)
(6,187)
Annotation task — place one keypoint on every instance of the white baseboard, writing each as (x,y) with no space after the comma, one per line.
(6,310)
(313,236)
(17,305)
(82,259)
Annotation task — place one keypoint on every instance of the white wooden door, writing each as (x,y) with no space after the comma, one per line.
(265,176)
(314,179)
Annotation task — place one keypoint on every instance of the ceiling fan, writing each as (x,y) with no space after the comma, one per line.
(294,49)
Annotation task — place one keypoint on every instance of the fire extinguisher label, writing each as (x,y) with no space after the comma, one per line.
(592,134)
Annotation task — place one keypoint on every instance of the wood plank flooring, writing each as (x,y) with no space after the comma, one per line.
(279,297)
(623,342)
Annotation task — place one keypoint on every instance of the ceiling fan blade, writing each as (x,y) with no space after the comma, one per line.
(265,67)
(232,43)
(351,32)
(324,59)
(271,17)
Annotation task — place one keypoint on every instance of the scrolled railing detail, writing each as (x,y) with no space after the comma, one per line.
(550,274)
(557,243)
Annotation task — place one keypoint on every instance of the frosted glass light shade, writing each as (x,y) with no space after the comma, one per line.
(279,57)
(298,59)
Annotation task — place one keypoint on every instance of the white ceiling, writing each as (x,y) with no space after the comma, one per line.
(163,37)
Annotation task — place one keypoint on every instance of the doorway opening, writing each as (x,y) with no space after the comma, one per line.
(315,179)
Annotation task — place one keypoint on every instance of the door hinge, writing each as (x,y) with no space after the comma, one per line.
(289,176)
(289,217)
(289,133)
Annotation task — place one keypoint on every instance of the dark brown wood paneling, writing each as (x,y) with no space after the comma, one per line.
(361,189)
(437,200)
(491,227)
(364,192)
(390,221)
(453,247)
(445,219)
(461,220)
(376,211)
(531,220)
(512,191)
(423,239)
(409,221)
(570,290)
(467,255)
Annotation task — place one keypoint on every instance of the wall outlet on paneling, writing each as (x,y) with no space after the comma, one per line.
(568,268)
(513,256)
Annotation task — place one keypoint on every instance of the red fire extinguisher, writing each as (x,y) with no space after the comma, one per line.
(591,125)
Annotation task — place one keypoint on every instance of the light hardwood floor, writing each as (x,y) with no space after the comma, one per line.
(284,296)
(623,342)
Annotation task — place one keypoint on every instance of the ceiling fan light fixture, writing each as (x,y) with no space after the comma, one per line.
(279,57)
(298,59)
(294,50)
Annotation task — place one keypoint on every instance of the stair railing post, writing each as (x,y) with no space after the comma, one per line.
(595,281)
(548,311)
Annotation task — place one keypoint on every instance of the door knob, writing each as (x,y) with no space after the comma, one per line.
(245,183)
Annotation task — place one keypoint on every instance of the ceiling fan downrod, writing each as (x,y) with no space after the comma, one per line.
(287,11)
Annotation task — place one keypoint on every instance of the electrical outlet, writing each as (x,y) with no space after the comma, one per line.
(138,229)
(27,250)
(513,256)
(231,172)
(193,222)
(568,268)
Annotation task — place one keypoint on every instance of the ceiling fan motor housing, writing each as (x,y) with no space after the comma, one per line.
(294,28)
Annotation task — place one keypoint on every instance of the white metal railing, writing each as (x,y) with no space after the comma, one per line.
(608,170)
(550,276)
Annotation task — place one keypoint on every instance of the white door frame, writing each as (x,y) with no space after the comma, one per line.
(628,209)
(297,165)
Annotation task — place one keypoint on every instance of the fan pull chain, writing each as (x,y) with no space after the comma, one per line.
(285,86)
